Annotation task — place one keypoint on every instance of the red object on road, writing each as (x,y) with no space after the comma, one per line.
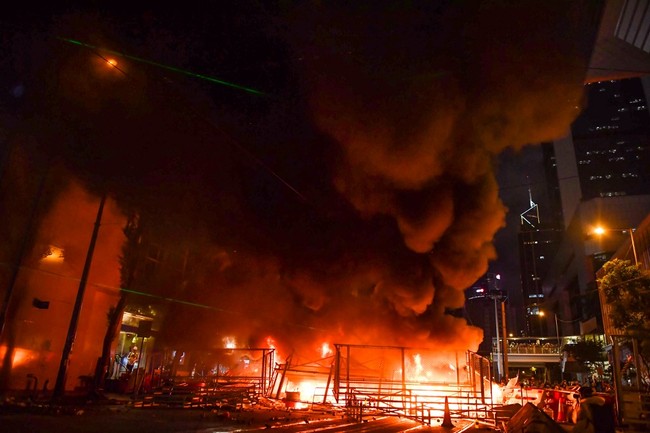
(561,413)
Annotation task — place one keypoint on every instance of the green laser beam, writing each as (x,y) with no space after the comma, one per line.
(169,68)
(178,301)
(204,306)
(192,74)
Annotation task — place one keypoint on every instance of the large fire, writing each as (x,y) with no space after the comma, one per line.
(405,379)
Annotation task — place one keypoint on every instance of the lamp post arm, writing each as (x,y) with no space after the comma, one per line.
(636,261)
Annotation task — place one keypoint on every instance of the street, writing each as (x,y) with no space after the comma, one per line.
(126,419)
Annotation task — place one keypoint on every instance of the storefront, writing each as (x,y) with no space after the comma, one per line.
(133,363)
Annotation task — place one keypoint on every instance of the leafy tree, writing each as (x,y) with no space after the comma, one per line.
(588,353)
(627,292)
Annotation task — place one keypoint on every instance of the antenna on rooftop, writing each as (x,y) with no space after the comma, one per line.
(530,216)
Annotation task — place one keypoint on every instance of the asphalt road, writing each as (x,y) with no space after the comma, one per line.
(124,419)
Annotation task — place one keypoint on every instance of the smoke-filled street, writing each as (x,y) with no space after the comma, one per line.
(215,206)
(346,192)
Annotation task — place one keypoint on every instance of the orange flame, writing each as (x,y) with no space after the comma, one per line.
(20,356)
(326,350)
(229,342)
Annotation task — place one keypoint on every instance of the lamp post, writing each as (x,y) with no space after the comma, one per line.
(496,320)
(59,387)
(505,340)
(500,352)
(557,328)
(542,329)
(601,230)
(557,336)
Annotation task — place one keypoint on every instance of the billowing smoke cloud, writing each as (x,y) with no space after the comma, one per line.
(358,201)
(421,100)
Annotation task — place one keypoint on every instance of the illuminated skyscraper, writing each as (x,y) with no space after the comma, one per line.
(603,167)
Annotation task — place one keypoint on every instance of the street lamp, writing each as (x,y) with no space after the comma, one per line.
(601,230)
(557,329)
(501,352)
(541,314)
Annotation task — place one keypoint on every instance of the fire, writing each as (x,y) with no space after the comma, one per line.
(20,356)
(421,369)
(417,359)
(270,341)
(326,350)
(497,392)
(407,380)
(53,254)
(306,388)
(382,378)
(229,342)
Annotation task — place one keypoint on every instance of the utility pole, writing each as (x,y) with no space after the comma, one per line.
(494,292)
(59,387)
(505,339)
(496,320)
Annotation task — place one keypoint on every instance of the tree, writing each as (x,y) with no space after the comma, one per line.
(129,262)
(627,293)
(587,353)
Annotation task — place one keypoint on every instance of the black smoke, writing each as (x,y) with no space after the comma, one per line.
(354,198)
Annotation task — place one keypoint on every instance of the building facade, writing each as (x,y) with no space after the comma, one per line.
(538,243)
(602,170)
(43,280)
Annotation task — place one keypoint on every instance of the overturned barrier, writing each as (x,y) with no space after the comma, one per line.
(530,419)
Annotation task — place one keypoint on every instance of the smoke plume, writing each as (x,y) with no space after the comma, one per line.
(356,200)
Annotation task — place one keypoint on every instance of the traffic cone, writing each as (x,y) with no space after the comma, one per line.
(561,416)
(446,419)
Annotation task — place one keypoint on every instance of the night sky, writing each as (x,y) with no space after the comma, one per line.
(346,190)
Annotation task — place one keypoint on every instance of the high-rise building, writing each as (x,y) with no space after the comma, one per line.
(610,139)
(602,169)
(537,245)
(622,47)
